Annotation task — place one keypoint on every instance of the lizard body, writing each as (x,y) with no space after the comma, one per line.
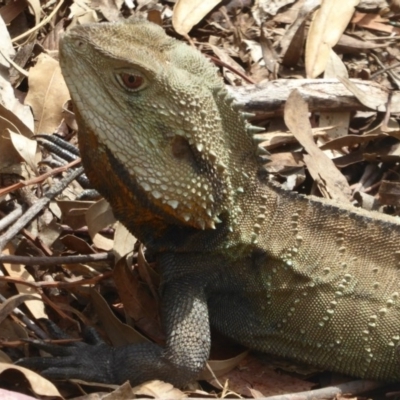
(296,276)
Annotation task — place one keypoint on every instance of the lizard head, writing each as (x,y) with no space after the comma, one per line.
(164,114)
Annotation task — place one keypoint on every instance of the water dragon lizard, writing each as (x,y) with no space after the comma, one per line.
(301,277)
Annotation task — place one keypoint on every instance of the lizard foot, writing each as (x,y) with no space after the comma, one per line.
(80,360)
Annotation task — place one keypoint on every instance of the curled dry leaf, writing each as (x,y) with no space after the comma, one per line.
(120,334)
(364,98)
(26,148)
(26,294)
(329,179)
(9,395)
(188,13)
(122,392)
(123,241)
(12,121)
(12,330)
(340,120)
(217,368)
(4,358)
(73,212)
(7,53)
(139,304)
(253,372)
(374,22)
(263,9)
(39,385)
(159,390)
(8,306)
(47,94)
(35,6)
(389,193)
(99,216)
(328,24)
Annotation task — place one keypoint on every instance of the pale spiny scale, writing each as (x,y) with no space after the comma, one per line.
(254,129)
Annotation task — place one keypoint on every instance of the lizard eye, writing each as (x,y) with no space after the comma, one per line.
(130,81)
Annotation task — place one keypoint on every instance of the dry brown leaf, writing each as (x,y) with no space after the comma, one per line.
(350,140)
(13,302)
(335,67)
(77,244)
(188,13)
(366,201)
(81,13)
(139,304)
(102,243)
(7,94)
(11,121)
(148,274)
(330,181)
(270,56)
(123,241)
(98,217)
(223,55)
(109,8)
(50,232)
(340,120)
(389,193)
(351,45)
(4,358)
(120,334)
(26,149)
(35,6)
(263,9)
(39,385)
(363,97)
(217,368)
(73,212)
(47,94)
(6,53)
(292,40)
(253,373)
(375,22)
(159,390)
(327,26)
(11,395)
(11,330)
(282,162)
(33,301)
(10,160)
(122,392)
(11,10)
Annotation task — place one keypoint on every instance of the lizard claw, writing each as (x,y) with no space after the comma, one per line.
(80,360)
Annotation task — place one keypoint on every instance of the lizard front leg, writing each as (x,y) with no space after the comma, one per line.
(186,323)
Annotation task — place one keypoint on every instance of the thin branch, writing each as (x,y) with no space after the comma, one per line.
(39,178)
(28,322)
(10,218)
(41,285)
(48,261)
(33,211)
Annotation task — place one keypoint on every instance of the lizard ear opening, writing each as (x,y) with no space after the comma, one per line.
(181,149)
(197,192)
